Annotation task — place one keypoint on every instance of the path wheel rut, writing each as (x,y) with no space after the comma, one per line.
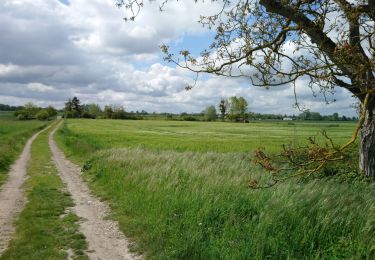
(105,240)
(12,197)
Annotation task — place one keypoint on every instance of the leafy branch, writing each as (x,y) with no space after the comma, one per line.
(304,161)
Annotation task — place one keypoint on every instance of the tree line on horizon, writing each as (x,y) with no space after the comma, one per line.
(233,109)
(74,109)
(4,107)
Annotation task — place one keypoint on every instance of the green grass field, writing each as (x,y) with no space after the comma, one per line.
(180,190)
(13,135)
(7,115)
(198,136)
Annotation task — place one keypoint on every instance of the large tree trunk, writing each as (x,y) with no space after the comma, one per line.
(367,146)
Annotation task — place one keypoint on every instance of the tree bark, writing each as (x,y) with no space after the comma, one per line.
(367,145)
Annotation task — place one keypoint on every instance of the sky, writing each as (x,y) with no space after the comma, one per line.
(53,50)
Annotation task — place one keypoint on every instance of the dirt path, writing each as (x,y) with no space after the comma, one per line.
(12,197)
(105,240)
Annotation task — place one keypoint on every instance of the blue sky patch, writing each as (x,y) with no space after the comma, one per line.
(65,2)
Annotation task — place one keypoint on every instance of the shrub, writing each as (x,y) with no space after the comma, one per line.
(42,115)
(88,115)
(190,118)
(23,114)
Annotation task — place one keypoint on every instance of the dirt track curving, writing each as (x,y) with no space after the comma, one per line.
(105,240)
(12,197)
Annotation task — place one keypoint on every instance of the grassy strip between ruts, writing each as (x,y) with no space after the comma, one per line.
(46,229)
(14,135)
(189,205)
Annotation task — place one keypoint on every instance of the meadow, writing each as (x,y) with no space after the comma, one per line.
(180,190)
(199,136)
(14,134)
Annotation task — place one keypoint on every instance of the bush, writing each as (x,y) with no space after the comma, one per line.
(88,115)
(52,112)
(42,115)
(21,117)
(71,114)
(190,118)
(210,113)
(23,114)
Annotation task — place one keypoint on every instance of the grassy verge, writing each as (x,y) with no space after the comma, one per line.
(45,229)
(14,135)
(75,147)
(196,205)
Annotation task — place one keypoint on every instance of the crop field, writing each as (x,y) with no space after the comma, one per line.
(13,135)
(201,136)
(180,190)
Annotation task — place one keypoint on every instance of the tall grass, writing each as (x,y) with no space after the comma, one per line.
(197,205)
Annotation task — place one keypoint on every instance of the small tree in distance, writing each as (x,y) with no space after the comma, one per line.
(118,112)
(223,108)
(107,112)
(238,109)
(243,108)
(73,108)
(94,110)
(210,113)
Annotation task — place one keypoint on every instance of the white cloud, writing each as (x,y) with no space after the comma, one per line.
(38,87)
(6,69)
